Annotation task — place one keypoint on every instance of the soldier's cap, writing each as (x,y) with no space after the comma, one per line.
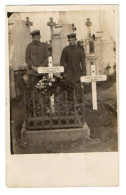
(71,35)
(35,32)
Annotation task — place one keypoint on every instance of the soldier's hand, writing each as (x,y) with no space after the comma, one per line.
(34,68)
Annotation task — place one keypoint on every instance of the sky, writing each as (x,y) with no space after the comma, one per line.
(40,20)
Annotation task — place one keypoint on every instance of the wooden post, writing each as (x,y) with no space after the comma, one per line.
(94,91)
(83,102)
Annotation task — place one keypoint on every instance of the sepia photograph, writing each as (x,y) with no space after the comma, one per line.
(62,68)
(63,80)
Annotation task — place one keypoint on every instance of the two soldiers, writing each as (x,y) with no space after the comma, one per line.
(72,58)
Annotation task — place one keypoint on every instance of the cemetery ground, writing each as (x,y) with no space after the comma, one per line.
(102,124)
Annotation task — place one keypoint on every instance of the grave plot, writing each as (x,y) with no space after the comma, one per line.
(55,110)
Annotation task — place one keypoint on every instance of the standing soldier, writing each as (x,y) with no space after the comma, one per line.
(73,60)
(36,55)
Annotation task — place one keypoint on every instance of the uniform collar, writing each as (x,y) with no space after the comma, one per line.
(39,43)
(73,47)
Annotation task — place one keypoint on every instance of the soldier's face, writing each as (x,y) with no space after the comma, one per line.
(36,38)
(72,41)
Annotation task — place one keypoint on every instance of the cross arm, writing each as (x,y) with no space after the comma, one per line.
(87,79)
(50,70)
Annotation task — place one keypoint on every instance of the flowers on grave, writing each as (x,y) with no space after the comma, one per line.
(45,83)
(54,85)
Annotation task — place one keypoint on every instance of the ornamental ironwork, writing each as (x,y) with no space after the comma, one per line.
(55,104)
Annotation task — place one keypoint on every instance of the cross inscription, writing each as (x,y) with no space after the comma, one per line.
(93,79)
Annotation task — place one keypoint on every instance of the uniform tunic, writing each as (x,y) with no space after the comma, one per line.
(73,60)
(36,55)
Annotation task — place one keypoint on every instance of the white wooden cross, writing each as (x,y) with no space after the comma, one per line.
(50,70)
(93,78)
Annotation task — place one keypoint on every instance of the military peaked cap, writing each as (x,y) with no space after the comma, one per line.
(35,32)
(71,35)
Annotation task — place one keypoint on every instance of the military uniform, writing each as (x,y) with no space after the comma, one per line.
(36,55)
(73,60)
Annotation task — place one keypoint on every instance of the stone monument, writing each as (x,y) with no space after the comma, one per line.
(89,48)
(59,34)
(104,45)
(99,48)
(19,37)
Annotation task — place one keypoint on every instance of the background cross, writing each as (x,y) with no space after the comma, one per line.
(51,24)
(74,28)
(28,23)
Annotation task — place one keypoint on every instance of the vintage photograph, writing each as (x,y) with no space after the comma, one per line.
(63,80)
